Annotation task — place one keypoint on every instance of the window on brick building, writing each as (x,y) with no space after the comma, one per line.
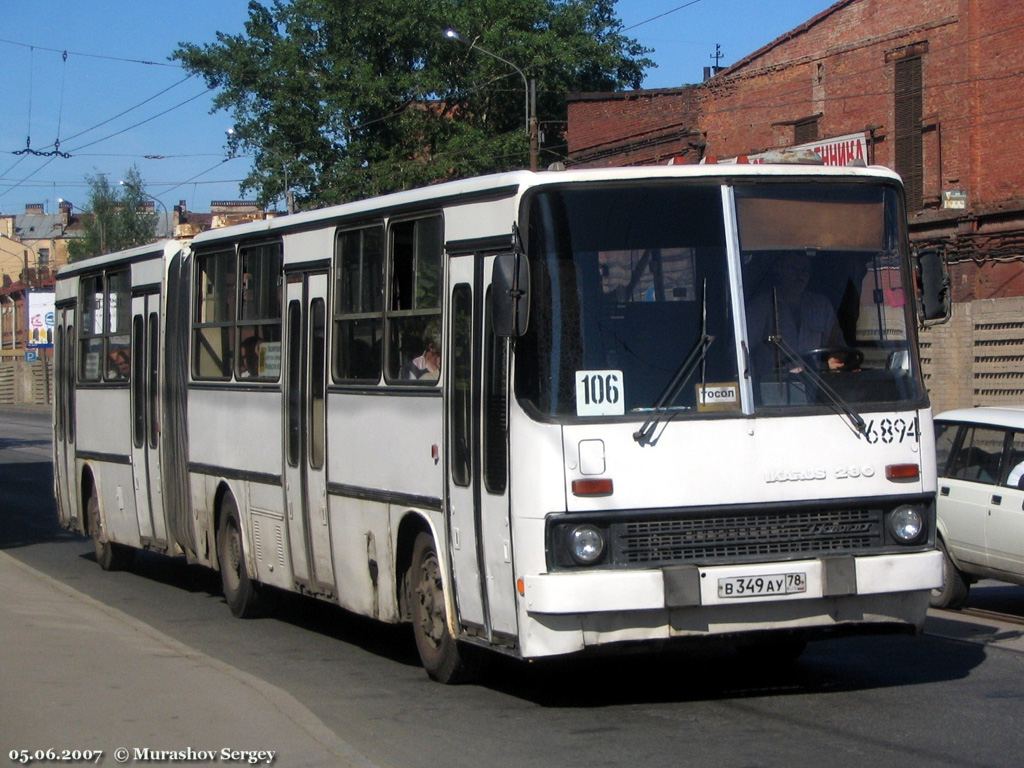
(908,104)
(805,131)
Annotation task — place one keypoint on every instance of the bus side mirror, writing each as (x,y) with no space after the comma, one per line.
(933,287)
(510,289)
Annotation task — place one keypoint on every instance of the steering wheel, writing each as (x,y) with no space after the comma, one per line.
(849,358)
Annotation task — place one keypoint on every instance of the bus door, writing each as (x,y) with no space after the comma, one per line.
(65,474)
(145,406)
(305,451)
(477,453)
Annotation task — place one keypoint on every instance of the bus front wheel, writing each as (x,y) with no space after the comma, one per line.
(443,657)
(240,592)
(110,555)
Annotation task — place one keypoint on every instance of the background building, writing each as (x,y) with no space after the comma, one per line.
(931,88)
(33,246)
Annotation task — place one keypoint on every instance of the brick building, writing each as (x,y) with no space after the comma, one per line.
(931,88)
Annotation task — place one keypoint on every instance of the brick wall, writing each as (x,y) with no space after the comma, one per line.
(648,127)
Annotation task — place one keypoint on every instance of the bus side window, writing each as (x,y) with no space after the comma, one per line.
(461,357)
(259,313)
(495,425)
(414,311)
(359,305)
(214,316)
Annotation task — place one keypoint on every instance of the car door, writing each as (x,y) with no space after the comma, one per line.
(967,490)
(1004,533)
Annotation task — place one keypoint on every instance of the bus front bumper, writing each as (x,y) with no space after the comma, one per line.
(568,612)
(581,592)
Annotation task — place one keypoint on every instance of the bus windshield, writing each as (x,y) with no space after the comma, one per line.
(825,284)
(625,280)
(632,308)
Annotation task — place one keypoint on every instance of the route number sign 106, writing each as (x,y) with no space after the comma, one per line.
(599,393)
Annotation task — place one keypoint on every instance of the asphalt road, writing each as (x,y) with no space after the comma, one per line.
(878,700)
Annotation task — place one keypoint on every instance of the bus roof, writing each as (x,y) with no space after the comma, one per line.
(513,183)
(157,250)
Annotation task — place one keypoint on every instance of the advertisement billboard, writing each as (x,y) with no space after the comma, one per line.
(40,319)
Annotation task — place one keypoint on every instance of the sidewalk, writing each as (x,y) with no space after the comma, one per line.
(78,674)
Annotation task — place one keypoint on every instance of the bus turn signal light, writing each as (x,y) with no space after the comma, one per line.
(595,487)
(902,472)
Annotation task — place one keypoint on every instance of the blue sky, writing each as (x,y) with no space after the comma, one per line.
(180,153)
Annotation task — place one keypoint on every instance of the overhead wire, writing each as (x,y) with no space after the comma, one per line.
(93,55)
(660,15)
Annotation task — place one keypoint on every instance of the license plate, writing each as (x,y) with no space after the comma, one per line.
(762,586)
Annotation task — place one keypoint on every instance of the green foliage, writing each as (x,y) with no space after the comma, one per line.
(115,218)
(343,99)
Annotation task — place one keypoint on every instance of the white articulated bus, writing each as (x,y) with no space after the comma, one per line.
(538,413)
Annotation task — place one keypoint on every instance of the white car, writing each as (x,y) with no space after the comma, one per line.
(980,503)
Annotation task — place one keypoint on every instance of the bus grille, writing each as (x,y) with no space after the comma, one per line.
(738,537)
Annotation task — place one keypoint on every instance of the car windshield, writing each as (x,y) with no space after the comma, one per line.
(825,291)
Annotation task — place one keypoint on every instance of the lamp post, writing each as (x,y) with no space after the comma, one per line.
(140,191)
(530,95)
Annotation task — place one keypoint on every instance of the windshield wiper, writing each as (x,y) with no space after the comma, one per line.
(689,365)
(837,403)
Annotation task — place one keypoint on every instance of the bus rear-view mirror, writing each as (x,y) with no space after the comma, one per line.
(933,286)
(510,289)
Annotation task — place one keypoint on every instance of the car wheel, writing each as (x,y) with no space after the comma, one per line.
(953,592)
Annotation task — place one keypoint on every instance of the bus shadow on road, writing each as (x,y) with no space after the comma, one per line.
(387,641)
(706,674)
(28,516)
(678,673)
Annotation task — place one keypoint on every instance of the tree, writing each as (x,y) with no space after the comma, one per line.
(118,217)
(342,99)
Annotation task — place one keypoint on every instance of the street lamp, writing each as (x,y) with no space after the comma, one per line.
(531,127)
(140,191)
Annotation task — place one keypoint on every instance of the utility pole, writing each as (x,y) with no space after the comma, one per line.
(534,148)
(718,56)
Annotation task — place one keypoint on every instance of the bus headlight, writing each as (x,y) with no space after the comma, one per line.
(906,523)
(586,544)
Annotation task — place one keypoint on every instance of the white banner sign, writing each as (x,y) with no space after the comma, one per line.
(839,150)
(40,319)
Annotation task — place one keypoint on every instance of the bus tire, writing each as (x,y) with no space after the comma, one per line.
(110,555)
(953,592)
(240,592)
(443,657)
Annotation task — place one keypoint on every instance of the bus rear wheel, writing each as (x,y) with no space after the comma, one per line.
(110,555)
(443,657)
(240,592)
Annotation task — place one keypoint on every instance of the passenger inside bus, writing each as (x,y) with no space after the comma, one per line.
(426,367)
(249,362)
(119,364)
(802,318)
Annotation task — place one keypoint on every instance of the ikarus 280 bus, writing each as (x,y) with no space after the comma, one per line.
(533,412)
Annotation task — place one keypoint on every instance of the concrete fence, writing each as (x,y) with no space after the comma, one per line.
(977,358)
(24,383)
